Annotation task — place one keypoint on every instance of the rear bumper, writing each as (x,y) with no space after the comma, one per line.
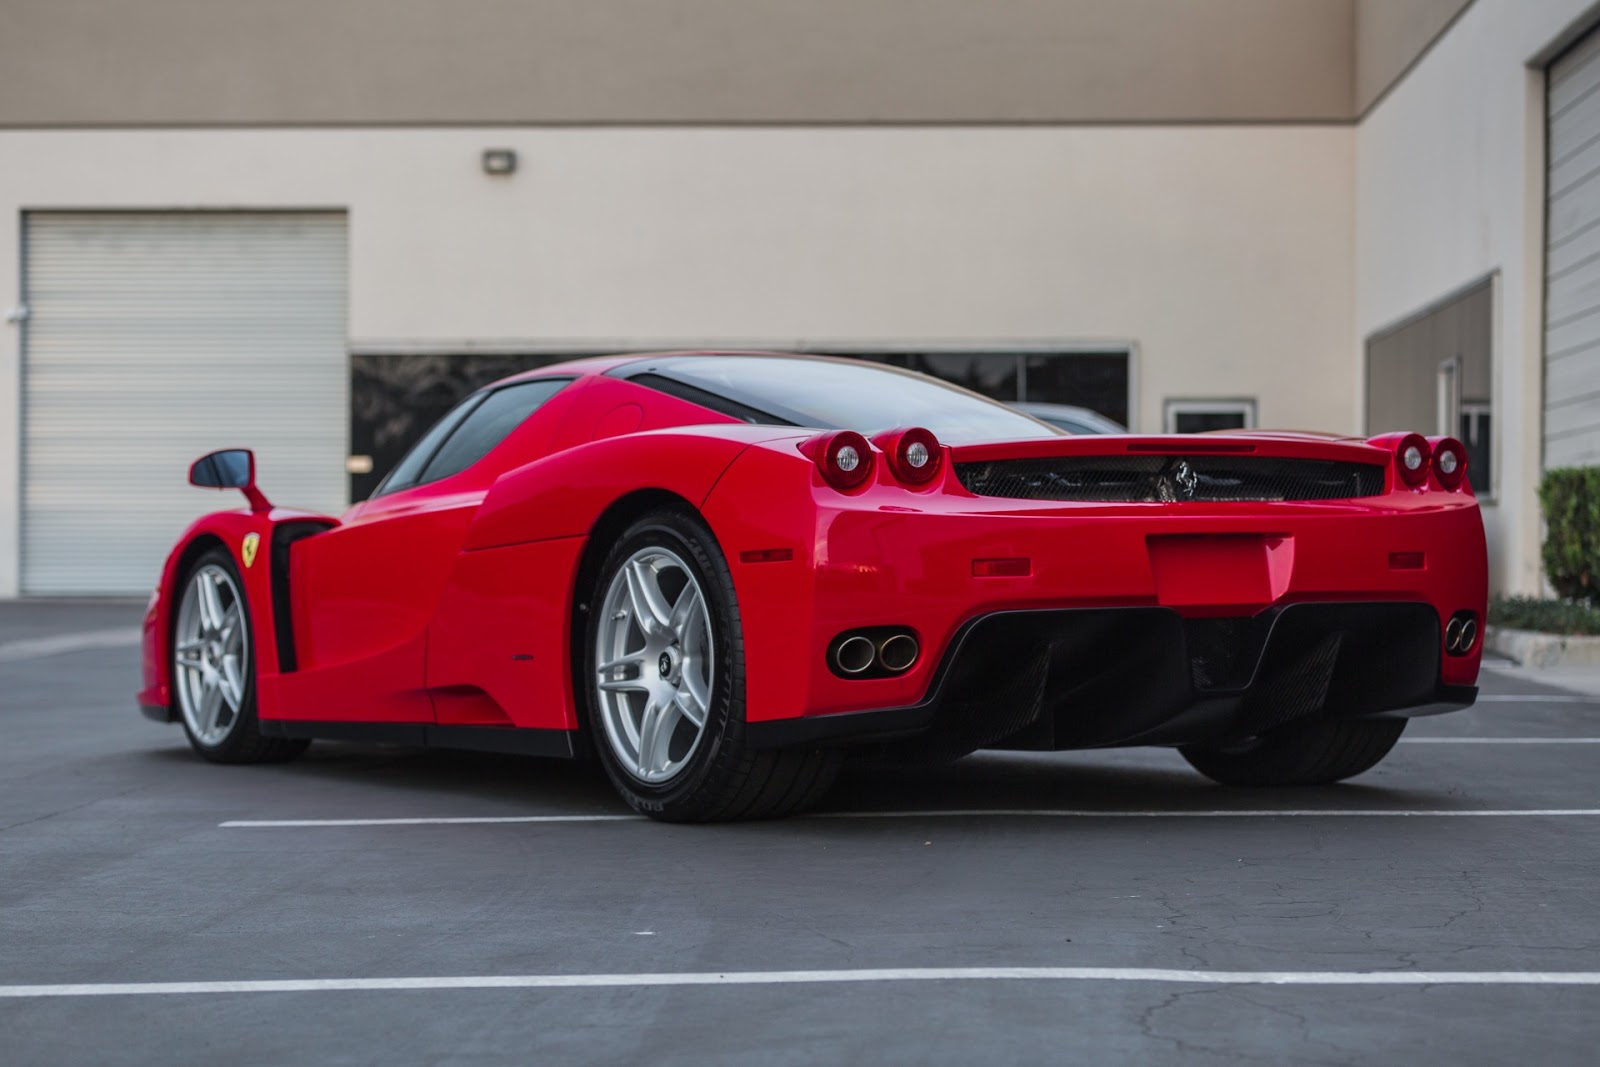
(1102,677)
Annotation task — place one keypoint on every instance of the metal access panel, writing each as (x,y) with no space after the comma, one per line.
(1572,260)
(152,338)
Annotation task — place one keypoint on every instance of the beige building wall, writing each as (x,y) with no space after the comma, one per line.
(365,62)
(1222,254)
(1389,36)
(1450,190)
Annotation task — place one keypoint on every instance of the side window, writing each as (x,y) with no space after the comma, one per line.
(487,425)
(408,470)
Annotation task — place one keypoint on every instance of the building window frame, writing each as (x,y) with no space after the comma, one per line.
(1173,407)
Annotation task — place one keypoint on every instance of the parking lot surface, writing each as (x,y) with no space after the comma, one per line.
(1026,908)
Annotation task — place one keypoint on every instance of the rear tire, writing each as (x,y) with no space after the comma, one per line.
(214,668)
(1313,753)
(663,616)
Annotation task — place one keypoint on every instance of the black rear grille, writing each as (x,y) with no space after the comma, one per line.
(1172,479)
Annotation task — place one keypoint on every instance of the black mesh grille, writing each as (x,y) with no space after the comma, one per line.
(1173,479)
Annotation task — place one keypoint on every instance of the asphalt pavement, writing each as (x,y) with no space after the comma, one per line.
(1015,908)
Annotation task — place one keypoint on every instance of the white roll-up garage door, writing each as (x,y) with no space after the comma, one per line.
(152,338)
(1572,261)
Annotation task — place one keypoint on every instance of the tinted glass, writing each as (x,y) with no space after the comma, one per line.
(407,471)
(839,395)
(1069,425)
(1094,380)
(487,425)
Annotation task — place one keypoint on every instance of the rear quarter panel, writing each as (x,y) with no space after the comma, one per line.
(504,626)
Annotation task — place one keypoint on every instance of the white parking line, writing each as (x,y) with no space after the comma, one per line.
(899,974)
(35,647)
(1500,740)
(1534,698)
(455,821)
(960,813)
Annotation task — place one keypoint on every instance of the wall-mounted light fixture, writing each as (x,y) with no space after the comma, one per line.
(499,161)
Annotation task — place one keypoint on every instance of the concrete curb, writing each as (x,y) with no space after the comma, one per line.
(1530,648)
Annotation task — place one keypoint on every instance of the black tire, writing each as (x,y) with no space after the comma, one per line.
(724,778)
(1311,753)
(242,742)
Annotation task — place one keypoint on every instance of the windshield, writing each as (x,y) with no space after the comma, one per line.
(836,394)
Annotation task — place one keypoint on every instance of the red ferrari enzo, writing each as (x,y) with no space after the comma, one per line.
(722,574)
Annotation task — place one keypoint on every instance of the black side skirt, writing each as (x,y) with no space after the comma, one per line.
(159,712)
(508,739)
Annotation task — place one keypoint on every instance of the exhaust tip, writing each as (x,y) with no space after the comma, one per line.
(1461,633)
(898,653)
(854,655)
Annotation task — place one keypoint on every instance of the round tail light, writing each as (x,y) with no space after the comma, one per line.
(844,458)
(1411,457)
(1449,462)
(914,455)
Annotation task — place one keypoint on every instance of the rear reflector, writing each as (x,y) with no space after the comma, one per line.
(766,555)
(1406,561)
(1002,568)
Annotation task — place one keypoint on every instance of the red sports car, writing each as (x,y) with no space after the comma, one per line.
(723,574)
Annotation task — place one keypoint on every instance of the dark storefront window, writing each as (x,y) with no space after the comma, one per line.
(1094,380)
(395,398)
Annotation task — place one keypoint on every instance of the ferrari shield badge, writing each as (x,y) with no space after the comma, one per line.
(247,549)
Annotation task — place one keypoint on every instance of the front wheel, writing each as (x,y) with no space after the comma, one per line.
(663,671)
(213,668)
(1312,753)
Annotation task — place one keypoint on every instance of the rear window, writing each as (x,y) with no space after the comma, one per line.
(831,394)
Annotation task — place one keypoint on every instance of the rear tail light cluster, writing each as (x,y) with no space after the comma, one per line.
(1412,455)
(1417,458)
(846,459)
(1449,461)
(914,455)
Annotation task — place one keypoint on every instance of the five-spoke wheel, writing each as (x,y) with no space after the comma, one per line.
(213,669)
(663,673)
(655,664)
(211,654)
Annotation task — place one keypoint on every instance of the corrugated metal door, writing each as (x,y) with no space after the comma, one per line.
(152,338)
(1572,261)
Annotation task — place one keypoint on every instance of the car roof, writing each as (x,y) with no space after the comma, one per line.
(589,366)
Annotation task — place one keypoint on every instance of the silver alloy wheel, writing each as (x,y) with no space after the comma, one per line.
(655,663)
(211,654)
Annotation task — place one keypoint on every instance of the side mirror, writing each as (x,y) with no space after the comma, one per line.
(231,468)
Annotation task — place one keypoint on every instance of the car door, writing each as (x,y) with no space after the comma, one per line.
(363,593)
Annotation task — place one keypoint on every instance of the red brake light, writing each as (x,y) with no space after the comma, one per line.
(1449,461)
(914,455)
(1411,457)
(844,457)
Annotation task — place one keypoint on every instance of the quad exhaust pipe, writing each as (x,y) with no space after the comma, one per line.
(897,652)
(854,655)
(878,652)
(1461,633)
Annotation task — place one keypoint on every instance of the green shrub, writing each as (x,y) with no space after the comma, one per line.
(1548,616)
(1570,497)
